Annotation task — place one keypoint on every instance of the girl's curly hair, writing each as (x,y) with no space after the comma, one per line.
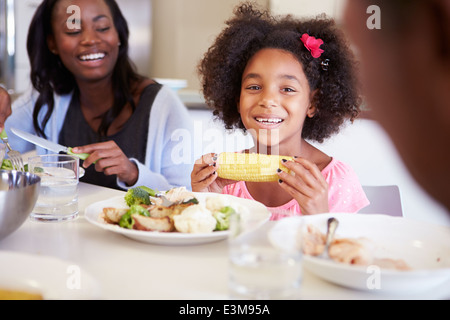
(336,95)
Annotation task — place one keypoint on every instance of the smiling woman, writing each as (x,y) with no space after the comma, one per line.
(87,94)
(88,49)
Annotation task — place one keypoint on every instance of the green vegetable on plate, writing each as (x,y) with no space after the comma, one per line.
(126,221)
(223,218)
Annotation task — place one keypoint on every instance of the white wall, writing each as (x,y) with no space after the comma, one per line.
(366,147)
(308,8)
(24,11)
(183,30)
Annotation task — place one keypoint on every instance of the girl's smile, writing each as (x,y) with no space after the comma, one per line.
(275,96)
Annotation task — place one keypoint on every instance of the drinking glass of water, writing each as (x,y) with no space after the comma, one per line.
(58,197)
(258,270)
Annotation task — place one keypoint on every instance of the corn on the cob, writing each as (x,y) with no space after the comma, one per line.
(250,166)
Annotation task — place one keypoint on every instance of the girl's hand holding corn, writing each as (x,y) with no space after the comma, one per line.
(307,186)
(204,176)
(299,177)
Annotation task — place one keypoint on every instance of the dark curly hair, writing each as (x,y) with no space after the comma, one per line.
(250,30)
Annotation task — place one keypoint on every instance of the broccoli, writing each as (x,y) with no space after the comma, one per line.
(6,165)
(137,196)
(151,192)
(223,218)
(193,201)
(126,221)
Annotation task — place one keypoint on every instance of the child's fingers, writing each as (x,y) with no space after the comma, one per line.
(311,167)
(297,183)
(312,199)
(201,172)
(307,171)
(308,179)
(302,177)
(207,159)
(202,179)
(293,192)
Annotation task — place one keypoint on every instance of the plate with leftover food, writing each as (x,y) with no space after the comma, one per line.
(193,218)
(39,277)
(372,252)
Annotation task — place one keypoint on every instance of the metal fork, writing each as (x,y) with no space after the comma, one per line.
(332,224)
(14,156)
(165,202)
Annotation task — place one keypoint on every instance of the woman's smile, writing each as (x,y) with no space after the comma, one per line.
(92,56)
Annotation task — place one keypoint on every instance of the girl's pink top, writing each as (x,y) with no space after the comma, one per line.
(345,193)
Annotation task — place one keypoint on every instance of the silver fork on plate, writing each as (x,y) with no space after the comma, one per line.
(14,156)
(165,202)
(332,224)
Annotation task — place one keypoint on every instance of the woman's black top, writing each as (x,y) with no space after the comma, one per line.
(132,138)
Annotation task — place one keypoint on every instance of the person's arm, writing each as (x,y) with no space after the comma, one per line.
(22,118)
(170,145)
(5,107)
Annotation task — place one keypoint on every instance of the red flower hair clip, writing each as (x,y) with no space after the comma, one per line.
(312,44)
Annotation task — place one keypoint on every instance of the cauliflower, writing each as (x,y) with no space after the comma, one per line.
(216,203)
(195,219)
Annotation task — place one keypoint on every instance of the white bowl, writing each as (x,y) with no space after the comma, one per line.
(424,247)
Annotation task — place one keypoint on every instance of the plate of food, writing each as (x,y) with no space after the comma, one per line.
(39,277)
(194,218)
(370,252)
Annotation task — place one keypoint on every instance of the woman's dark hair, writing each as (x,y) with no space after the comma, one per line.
(49,75)
(335,89)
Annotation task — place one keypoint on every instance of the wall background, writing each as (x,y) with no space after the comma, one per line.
(184,30)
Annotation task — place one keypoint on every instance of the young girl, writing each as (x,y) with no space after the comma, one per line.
(285,81)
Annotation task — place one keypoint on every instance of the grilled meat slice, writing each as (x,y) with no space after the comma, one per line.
(113,215)
(162,224)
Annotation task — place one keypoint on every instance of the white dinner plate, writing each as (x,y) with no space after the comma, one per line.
(52,278)
(94,211)
(424,247)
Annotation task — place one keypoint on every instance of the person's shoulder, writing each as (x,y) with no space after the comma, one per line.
(168,99)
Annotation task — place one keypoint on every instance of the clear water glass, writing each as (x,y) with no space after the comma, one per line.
(257,269)
(58,197)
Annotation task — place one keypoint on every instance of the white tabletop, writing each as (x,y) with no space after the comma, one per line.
(128,269)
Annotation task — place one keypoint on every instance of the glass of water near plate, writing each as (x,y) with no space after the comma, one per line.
(58,197)
(258,269)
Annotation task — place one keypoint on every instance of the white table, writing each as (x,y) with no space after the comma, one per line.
(128,269)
